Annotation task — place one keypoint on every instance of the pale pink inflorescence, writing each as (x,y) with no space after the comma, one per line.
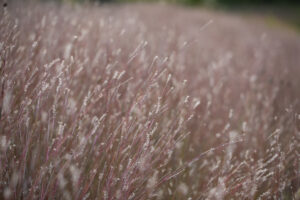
(146,102)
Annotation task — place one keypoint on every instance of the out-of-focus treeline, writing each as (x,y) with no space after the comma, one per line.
(239,2)
(199,2)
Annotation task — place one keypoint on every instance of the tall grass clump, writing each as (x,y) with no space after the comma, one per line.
(146,102)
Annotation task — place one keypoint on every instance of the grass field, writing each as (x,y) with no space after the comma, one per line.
(146,101)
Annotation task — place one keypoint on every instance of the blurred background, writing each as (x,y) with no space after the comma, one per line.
(279,13)
(199,2)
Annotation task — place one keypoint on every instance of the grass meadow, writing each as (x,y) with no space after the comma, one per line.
(146,101)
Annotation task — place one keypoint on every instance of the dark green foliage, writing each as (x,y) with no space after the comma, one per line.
(257,1)
(240,2)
